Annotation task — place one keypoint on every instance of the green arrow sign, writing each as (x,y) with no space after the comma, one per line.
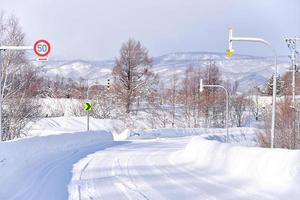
(87,106)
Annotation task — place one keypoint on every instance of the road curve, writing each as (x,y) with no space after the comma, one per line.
(146,170)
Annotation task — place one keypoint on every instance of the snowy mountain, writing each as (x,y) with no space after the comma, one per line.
(247,70)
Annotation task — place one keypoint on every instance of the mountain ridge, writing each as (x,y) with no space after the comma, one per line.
(241,68)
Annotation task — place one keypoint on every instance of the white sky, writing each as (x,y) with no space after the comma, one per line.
(95,29)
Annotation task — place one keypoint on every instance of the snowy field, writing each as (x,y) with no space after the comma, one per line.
(59,162)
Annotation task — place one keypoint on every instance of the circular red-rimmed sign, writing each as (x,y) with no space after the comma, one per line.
(42,48)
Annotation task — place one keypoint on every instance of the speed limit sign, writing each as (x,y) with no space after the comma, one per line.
(42,48)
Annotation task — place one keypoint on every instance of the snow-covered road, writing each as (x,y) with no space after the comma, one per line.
(149,169)
(169,164)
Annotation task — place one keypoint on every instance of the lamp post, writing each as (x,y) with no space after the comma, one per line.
(227,103)
(230,52)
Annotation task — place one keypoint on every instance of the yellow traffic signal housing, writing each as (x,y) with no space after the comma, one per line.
(229,52)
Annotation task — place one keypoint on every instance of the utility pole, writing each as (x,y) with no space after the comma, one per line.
(1,97)
(292,45)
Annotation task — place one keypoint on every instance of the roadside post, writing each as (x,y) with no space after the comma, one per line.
(88,103)
(88,109)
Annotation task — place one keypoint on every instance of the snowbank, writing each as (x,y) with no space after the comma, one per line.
(269,168)
(59,125)
(27,148)
(40,167)
(245,136)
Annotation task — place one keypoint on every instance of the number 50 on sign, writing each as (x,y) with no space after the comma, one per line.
(42,49)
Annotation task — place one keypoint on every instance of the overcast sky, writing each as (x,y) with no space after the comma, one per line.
(95,29)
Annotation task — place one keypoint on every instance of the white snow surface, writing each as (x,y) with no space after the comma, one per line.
(186,168)
(274,171)
(38,168)
(152,164)
(59,125)
(243,136)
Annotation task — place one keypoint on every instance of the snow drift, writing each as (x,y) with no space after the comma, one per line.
(271,169)
(34,146)
(243,136)
(59,125)
(39,167)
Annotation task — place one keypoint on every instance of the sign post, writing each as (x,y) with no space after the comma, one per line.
(41,48)
(88,108)
(88,104)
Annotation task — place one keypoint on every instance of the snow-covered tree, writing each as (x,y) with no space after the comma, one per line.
(279,86)
(238,106)
(214,98)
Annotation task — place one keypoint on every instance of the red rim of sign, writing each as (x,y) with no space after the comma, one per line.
(42,54)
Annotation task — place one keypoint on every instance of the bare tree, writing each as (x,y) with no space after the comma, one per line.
(287,130)
(103,104)
(238,103)
(188,95)
(20,82)
(173,96)
(253,103)
(132,74)
(214,103)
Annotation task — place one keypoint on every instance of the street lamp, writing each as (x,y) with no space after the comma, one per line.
(230,52)
(227,103)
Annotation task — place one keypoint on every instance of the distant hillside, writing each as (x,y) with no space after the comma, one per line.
(247,70)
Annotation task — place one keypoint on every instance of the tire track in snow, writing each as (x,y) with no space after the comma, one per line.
(128,184)
(80,179)
(145,170)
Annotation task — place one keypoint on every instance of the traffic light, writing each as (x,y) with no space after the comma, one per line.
(229,51)
(108,84)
